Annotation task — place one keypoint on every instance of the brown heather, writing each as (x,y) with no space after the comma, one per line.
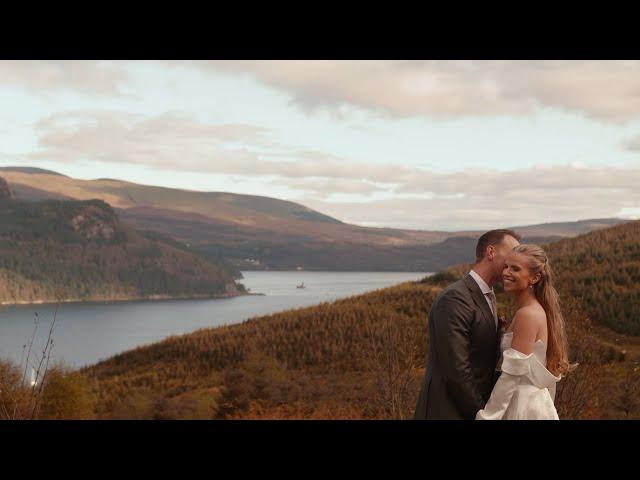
(363,356)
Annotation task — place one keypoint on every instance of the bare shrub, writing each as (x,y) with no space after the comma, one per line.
(22,389)
(34,390)
(139,405)
(395,358)
(576,393)
(259,377)
(628,398)
(66,396)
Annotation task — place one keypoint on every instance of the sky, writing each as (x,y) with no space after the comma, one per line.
(426,145)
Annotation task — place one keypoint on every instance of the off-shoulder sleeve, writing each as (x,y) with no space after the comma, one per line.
(515,365)
(552,391)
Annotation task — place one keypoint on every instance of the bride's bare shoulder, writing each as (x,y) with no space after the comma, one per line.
(527,322)
(530,315)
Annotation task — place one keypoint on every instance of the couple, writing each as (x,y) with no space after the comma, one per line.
(478,368)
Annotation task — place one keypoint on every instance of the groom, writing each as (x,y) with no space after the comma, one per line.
(464,340)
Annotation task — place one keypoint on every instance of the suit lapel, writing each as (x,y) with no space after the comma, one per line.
(479,299)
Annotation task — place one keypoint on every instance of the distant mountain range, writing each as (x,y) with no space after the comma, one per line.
(257,232)
(72,250)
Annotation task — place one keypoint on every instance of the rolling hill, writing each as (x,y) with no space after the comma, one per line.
(601,269)
(363,356)
(257,232)
(68,250)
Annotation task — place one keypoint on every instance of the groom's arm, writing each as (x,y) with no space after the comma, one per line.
(452,326)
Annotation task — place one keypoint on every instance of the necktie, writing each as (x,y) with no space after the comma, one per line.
(494,307)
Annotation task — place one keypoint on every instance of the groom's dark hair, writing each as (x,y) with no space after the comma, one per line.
(492,237)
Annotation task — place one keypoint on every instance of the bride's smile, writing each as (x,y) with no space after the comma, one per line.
(515,275)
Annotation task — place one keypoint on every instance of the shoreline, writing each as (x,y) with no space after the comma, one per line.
(156,298)
(149,298)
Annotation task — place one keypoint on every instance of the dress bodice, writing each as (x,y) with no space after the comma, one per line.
(525,388)
(539,348)
(532,366)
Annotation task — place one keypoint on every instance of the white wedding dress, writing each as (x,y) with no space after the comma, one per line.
(525,389)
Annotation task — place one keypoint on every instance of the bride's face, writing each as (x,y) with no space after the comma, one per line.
(516,275)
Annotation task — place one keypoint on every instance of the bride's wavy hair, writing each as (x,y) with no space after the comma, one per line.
(546,294)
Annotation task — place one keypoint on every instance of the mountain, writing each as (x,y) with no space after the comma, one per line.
(79,250)
(250,214)
(257,232)
(30,170)
(557,230)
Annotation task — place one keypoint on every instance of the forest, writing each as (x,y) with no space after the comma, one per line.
(602,270)
(55,250)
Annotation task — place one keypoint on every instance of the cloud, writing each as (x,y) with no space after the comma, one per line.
(170,141)
(563,179)
(472,200)
(606,90)
(378,194)
(44,76)
(632,144)
(326,187)
(179,141)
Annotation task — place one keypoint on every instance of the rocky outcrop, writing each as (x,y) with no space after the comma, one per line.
(5,191)
(91,227)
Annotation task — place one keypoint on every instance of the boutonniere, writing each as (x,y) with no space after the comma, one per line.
(503,323)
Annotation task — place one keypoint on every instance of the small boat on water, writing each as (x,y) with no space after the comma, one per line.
(301,285)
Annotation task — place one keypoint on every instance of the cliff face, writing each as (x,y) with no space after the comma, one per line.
(79,250)
(91,225)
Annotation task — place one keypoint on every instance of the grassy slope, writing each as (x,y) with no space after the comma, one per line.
(333,360)
(328,361)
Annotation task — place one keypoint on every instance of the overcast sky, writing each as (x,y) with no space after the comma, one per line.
(421,145)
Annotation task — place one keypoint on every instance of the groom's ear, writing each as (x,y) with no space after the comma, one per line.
(491,252)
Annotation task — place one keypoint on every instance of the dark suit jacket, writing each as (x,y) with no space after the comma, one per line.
(464,347)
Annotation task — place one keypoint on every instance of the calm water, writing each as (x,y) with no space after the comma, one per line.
(86,333)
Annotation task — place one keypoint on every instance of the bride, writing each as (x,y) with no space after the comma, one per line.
(534,348)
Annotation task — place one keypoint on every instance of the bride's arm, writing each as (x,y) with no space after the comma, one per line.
(515,364)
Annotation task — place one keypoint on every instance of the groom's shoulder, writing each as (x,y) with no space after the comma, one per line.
(456,291)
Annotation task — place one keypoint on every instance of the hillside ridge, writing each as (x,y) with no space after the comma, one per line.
(79,250)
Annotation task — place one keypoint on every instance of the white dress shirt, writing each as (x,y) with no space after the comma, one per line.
(485,289)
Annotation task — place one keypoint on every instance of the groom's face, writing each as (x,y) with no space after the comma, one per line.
(502,250)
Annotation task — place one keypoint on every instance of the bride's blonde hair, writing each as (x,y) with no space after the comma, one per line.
(557,348)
